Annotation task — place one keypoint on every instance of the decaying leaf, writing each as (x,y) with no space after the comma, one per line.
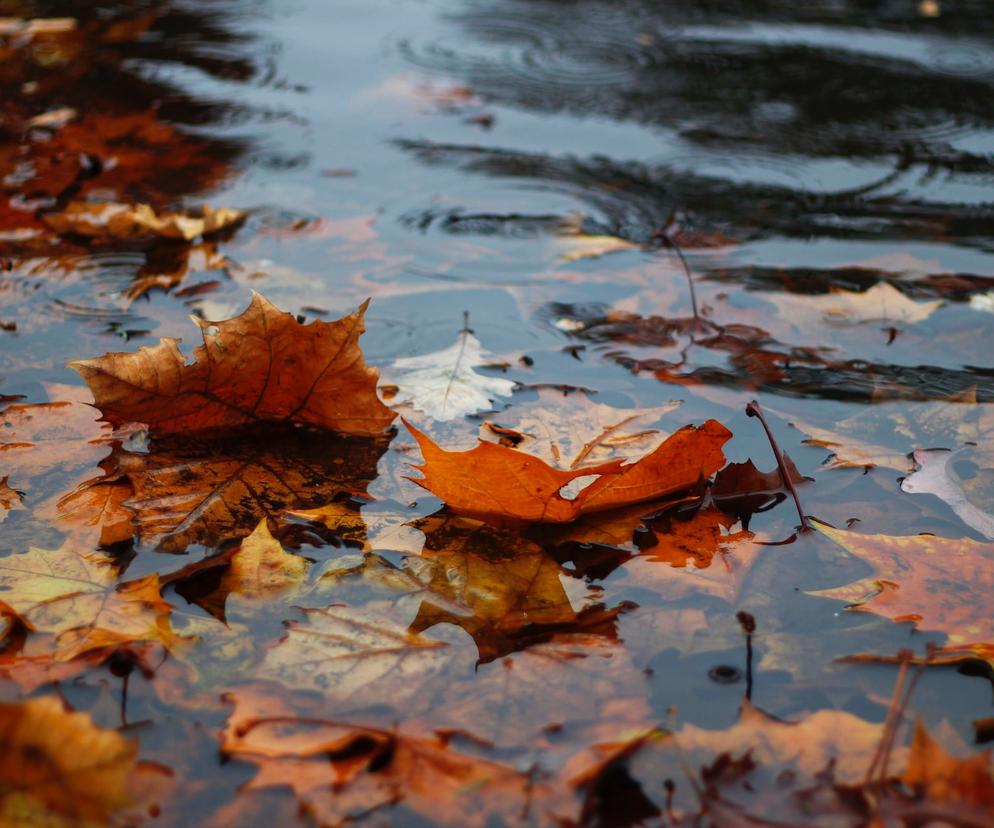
(128,221)
(261,366)
(570,431)
(936,476)
(500,482)
(444,385)
(58,769)
(936,583)
(77,598)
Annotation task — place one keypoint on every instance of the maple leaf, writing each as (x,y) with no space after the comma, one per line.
(261,568)
(444,385)
(572,431)
(261,366)
(935,476)
(207,488)
(94,513)
(500,482)
(346,773)
(339,648)
(126,221)
(936,583)
(77,598)
(58,768)
(763,771)
(956,791)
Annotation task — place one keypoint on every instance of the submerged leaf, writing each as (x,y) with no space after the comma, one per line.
(936,583)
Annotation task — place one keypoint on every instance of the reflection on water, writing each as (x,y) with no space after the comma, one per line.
(652,201)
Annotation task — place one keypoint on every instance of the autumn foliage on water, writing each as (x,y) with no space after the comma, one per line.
(341,589)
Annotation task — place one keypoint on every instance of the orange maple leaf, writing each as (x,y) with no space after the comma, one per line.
(261,366)
(497,481)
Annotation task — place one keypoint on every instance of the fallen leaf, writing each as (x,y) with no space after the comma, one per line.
(881,303)
(762,771)
(958,791)
(261,366)
(59,769)
(261,567)
(444,385)
(347,773)
(77,598)
(935,476)
(935,583)
(126,221)
(571,431)
(340,648)
(94,514)
(500,482)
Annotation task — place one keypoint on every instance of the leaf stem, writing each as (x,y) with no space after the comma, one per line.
(753,410)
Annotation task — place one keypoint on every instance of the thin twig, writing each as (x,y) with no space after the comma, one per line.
(748,623)
(753,410)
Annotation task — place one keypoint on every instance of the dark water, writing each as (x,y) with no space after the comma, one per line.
(430,155)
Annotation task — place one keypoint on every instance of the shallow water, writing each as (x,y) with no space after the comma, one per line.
(429,154)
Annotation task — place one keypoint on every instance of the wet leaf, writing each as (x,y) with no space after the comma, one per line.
(935,476)
(261,568)
(935,583)
(261,366)
(959,791)
(77,598)
(59,769)
(356,654)
(570,431)
(126,221)
(444,385)
(497,481)
(352,774)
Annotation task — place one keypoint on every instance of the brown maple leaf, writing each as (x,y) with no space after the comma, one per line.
(344,773)
(58,768)
(936,583)
(500,482)
(261,366)
(127,221)
(77,598)
(945,788)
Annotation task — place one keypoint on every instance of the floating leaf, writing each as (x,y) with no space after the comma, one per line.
(261,366)
(500,482)
(443,383)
